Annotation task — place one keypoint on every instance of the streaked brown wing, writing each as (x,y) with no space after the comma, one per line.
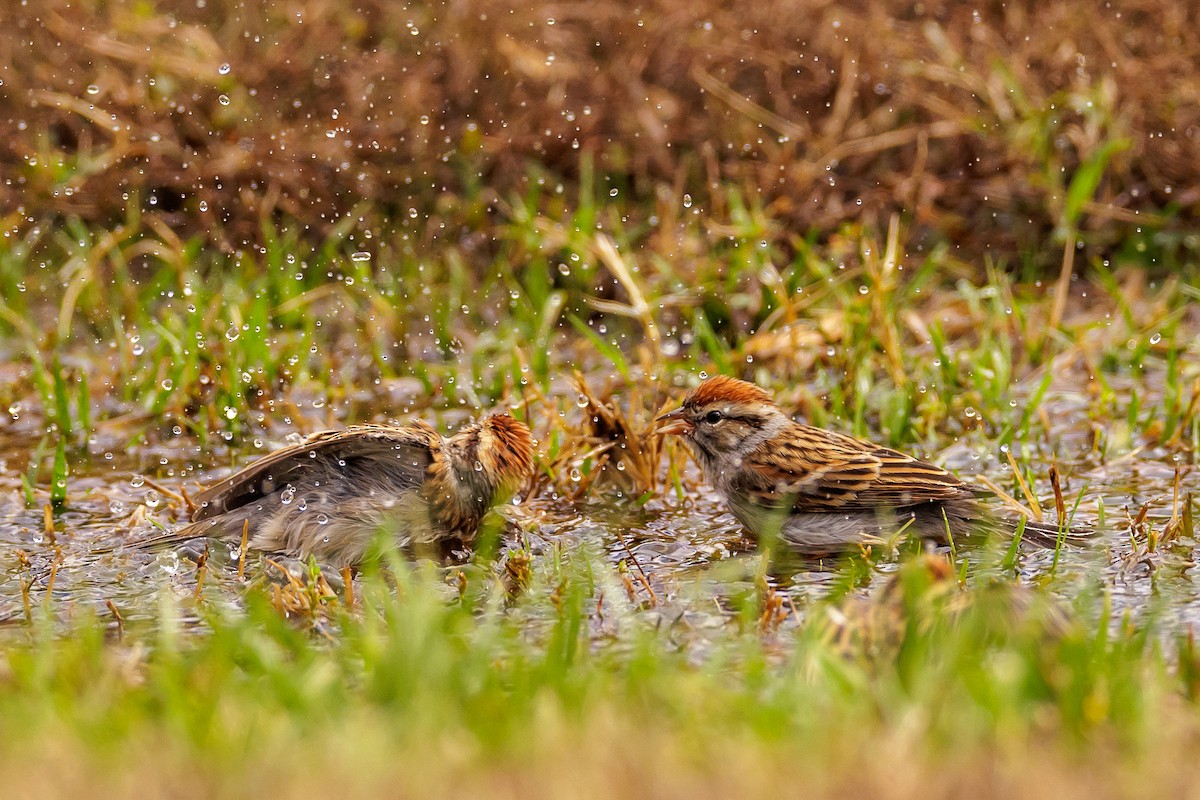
(904,481)
(818,470)
(409,451)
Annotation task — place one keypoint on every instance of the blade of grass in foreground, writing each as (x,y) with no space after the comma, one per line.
(58,475)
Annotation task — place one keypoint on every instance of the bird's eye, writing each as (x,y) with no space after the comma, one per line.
(713,417)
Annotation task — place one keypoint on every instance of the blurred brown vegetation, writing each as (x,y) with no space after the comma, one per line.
(974,120)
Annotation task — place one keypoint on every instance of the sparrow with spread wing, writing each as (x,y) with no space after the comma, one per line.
(329,495)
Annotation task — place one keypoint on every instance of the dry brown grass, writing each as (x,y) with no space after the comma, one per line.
(613,444)
(972,120)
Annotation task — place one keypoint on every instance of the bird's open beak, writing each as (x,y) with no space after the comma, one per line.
(676,424)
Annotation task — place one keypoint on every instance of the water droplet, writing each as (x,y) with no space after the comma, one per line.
(287,495)
(223,69)
(576,475)
(361,255)
(93,89)
(137,481)
(233,333)
(1156,338)
(479,466)
(151,499)
(116,507)
(322,519)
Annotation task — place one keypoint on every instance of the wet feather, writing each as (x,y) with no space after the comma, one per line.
(330,495)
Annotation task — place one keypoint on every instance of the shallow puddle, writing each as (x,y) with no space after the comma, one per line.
(686,560)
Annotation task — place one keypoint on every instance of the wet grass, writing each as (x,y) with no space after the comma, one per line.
(987,262)
(615,633)
(426,684)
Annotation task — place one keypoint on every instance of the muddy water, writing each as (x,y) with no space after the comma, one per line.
(686,561)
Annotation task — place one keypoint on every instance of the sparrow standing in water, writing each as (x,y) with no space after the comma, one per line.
(820,491)
(329,495)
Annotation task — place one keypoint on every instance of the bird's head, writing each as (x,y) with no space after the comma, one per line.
(723,416)
(506,444)
(495,454)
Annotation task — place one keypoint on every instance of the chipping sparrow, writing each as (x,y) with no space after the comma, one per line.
(329,495)
(822,491)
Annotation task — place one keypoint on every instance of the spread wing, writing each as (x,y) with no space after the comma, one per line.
(408,451)
(817,470)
